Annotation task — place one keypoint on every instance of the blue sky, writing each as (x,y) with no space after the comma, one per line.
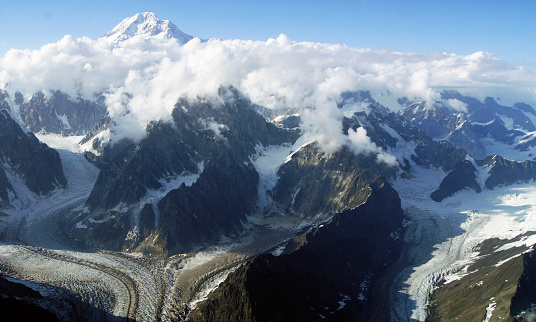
(505,28)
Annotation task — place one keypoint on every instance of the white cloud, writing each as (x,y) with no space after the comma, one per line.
(457,105)
(360,143)
(142,80)
(216,128)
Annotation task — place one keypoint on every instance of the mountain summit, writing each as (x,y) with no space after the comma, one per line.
(147,25)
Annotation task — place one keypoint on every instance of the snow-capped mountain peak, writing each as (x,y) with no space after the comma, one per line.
(147,25)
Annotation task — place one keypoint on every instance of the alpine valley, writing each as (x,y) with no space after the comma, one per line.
(151,175)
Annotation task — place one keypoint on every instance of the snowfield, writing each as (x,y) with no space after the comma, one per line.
(444,236)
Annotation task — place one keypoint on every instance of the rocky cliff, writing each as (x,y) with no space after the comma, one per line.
(504,172)
(24,157)
(463,176)
(327,272)
(57,112)
(209,141)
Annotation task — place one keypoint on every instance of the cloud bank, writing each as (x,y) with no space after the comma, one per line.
(143,79)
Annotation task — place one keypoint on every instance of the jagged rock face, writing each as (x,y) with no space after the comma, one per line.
(504,171)
(436,122)
(319,270)
(197,130)
(526,286)
(314,182)
(5,188)
(207,137)
(59,113)
(440,154)
(5,101)
(465,136)
(128,169)
(380,125)
(479,120)
(214,206)
(463,176)
(23,155)
(428,153)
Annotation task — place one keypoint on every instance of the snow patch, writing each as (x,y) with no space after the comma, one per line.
(490,309)
(279,250)
(508,122)
(342,302)
(104,137)
(64,120)
(507,151)
(267,161)
(153,196)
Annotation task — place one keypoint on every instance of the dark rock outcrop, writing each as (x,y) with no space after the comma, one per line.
(5,188)
(504,172)
(59,113)
(525,294)
(16,300)
(214,206)
(327,272)
(314,182)
(22,154)
(288,122)
(465,136)
(213,138)
(463,176)
(5,101)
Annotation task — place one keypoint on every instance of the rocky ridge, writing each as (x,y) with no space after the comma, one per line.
(23,156)
(208,141)
(328,272)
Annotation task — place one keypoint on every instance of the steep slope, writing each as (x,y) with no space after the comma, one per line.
(24,158)
(15,297)
(327,272)
(313,182)
(56,112)
(194,172)
(463,176)
(5,188)
(505,172)
(61,114)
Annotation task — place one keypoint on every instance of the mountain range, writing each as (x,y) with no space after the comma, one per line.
(346,204)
